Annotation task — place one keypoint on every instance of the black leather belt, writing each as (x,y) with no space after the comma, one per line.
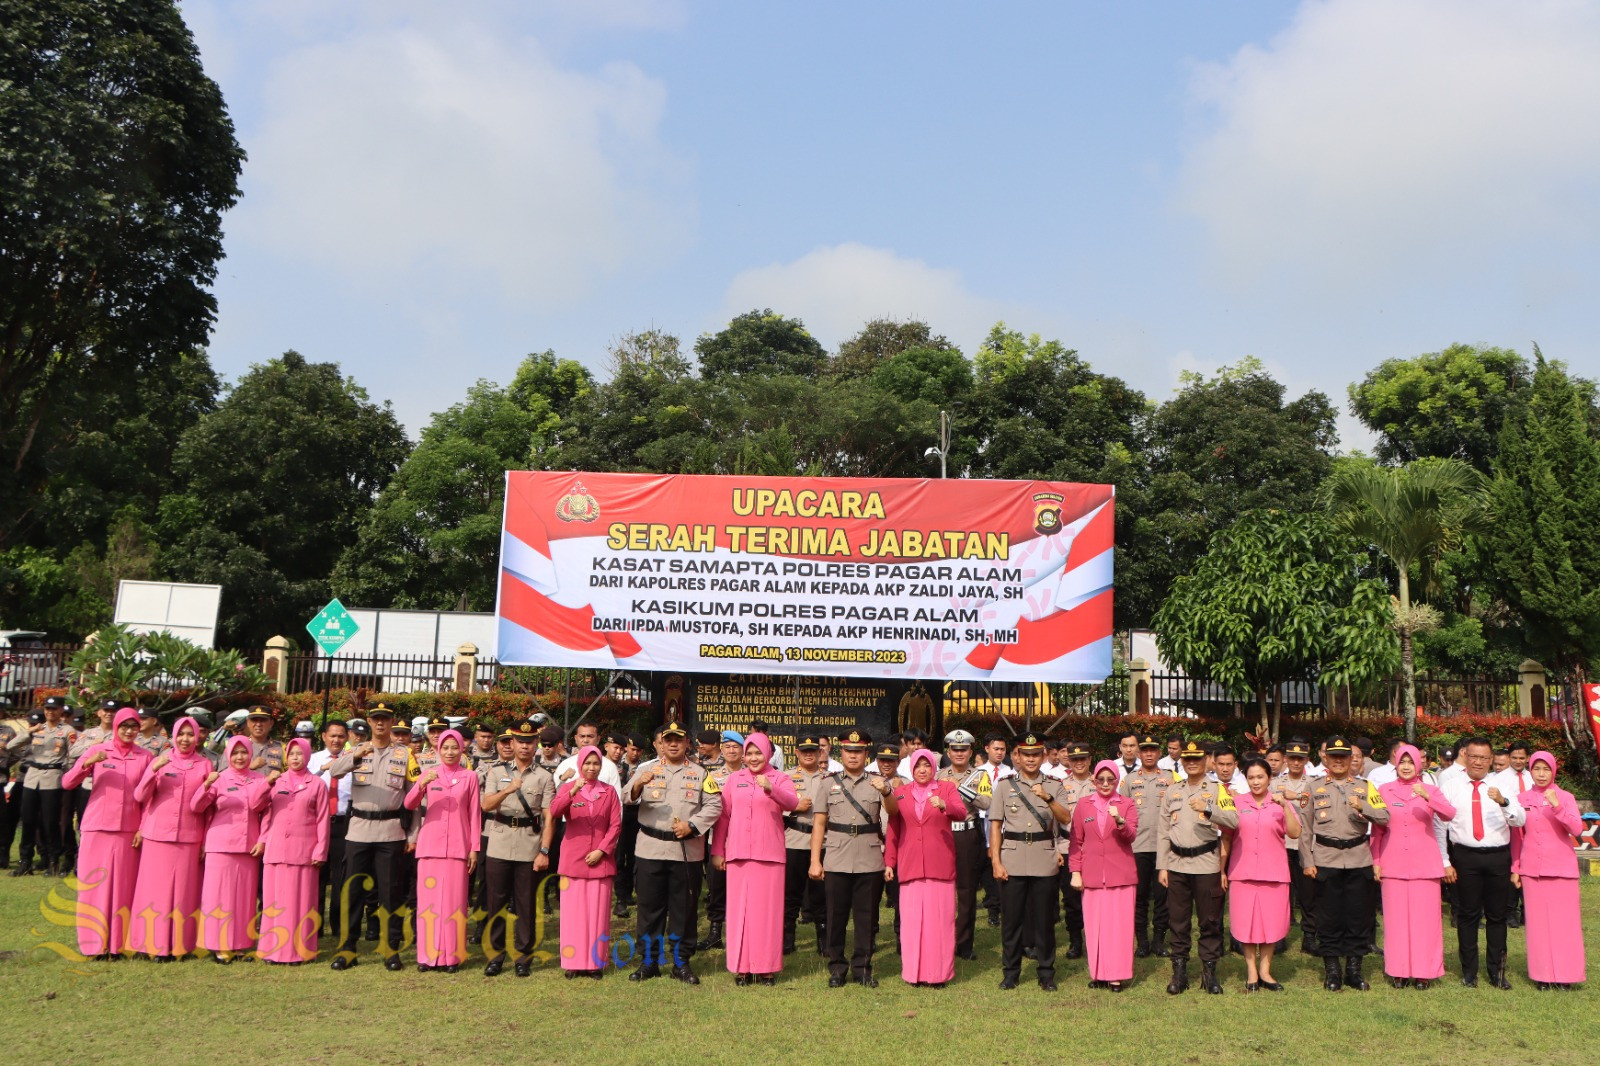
(1479,850)
(517,823)
(853,829)
(661,834)
(962,827)
(1028,838)
(1189,853)
(377,816)
(1340,845)
(793,822)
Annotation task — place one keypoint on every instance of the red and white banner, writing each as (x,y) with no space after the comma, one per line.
(828,576)
(1591,711)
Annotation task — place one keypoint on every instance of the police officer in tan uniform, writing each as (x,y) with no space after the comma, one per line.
(1024,812)
(515,800)
(48,747)
(1078,783)
(678,802)
(1189,865)
(972,850)
(266,754)
(847,856)
(887,757)
(1337,856)
(1295,785)
(1147,786)
(801,895)
(375,844)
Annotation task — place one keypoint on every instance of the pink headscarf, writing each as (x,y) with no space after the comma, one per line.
(230,776)
(305,750)
(762,743)
(1550,761)
(588,790)
(920,793)
(127,714)
(177,757)
(1401,751)
(1102,804)
(450,775)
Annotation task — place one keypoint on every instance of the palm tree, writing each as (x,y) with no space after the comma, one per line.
(1411,514)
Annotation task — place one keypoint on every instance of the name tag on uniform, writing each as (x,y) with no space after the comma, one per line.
(836,788)
(1090,818)
(1398,803)
(580,803)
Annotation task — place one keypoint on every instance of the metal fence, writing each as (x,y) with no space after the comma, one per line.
(396,674)
(27,666)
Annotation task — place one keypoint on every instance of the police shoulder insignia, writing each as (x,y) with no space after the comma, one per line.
(984,787)
(1224,798)
(413,771)
(711,788)
(1374,799)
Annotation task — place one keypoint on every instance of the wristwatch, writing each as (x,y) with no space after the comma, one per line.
(544,851)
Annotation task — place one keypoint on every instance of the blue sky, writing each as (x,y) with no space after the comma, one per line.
(435,190)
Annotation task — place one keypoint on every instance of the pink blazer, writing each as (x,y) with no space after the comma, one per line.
(167,795)
(592,825)
(924,848)
(295,826)
(235,808)
(1258,852)
(751,825)
(1542,847)
(113,808)
(452,825)
(1407,849)
(1106,861)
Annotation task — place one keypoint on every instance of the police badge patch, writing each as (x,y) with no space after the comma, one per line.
(1047,512)
(578,505)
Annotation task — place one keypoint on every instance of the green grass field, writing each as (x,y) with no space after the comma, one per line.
(56,1010)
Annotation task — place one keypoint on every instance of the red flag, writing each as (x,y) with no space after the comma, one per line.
(1591,711)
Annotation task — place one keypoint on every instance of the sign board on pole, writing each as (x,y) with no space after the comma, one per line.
(332,627)
(187,611)
(843,577)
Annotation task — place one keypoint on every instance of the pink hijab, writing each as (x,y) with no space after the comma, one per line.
(450,775)
(1102,804)
(1550,761)
(177,758)
(920,793)
(115,744)
(587,789)
(762,743)
(305,749)
(231,777)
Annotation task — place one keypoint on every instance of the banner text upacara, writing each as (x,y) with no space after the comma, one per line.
(805,540)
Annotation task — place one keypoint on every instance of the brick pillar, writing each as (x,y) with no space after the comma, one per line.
(1138,687)
(275,662)
(466,667)
(1531,689)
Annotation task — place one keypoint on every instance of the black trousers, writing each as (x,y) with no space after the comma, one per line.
(715,886)
(1346,916)
(1071,906)
(972,861)
(665,889)
(384,863)
(510,887)
(332,876)
(10,815)
(624,885)
(40,818)
(1148,896)
(853,899)
(1199,895)
(1304,891)
(74,803)
(1028,914)
(991,887)
(1483,894)
(801,895)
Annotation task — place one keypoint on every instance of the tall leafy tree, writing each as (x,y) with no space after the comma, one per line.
(1277,596)
(760,344)
(879,341)
(277,482)
(1447,404)
(650,415)
(1545,539)
(1411,514)
(119,160)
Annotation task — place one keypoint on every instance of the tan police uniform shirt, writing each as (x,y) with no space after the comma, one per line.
(971,783)
(527,808)
(270,750)
(381,781)
(1332,818)
(48,757)
(797,824)
(851,852)
(1075,789)
(1180,825)
(1283,785)
(155,743)
(679,792)
(1147,789)
(1035,857)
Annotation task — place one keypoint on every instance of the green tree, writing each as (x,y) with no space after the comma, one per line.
(1277,596)
(760,344)
(120,159)
(880,341)
(277,482)
(650,415)
(160,670)
(1411,514)
(1448,404)
(1545,540)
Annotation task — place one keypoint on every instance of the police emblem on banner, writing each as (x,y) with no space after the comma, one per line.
(1047,512)
(579,506)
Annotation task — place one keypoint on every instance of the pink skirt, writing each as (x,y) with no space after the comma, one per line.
(1258,911)
(228,895)
(1108,932)
(755,916)
(585,922)
(442,907)
(1413,929)
(290,912)
(1554,929)
(166,899)
(928,931)
(108,868)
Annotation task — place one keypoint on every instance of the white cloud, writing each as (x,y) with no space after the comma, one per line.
(1377,137)
(837,289)
(464,154)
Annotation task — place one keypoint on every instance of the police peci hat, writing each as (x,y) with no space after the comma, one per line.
(54,702)
(959,738)
(888,751)
(1297,749)
(1076,751)
(1191,750)
(380,710)
(856,740)
(148,712)
(1148,741)
(523,730)
(437,722)
(808,741)
(551,734)
(1029,744)
(35,717)
(1338,746)
(110,705)
(259,712)
(673,729)
(402,727)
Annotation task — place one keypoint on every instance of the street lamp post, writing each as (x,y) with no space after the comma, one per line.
(943,450)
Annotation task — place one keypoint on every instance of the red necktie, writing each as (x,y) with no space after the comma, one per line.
(1477,813)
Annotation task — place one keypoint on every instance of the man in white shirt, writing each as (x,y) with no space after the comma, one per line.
(834,765)
(1225,767)
(1169,761)
(1385,774)
(1478,859)
(1127,755)
(912,741)
(585,734)
(335,734)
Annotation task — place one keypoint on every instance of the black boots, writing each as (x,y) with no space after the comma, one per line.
(1352,974)
(1208,978)
(1180,977)
(1330,974)
(1142,950)
(1075,946)
(713,937)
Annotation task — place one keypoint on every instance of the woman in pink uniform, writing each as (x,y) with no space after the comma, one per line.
(748,843)
(919,853)
(234,798)
(108,859)
(588,863)
(294,838)
(447,853)
(1258,873)
(1544,863)
(166,898)
(1100,857)
(1406,862)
